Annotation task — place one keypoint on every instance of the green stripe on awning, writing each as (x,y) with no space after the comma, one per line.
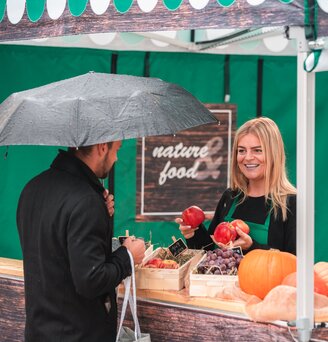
(172,5)
(123,5)
(35,9)
(77,7)
(2,8)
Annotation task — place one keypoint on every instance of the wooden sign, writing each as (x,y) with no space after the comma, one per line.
(177,247)
(190,168)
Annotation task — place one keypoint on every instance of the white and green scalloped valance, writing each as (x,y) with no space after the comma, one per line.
(15,9)
(23,19)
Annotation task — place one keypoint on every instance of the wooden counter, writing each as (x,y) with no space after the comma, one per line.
(167,315)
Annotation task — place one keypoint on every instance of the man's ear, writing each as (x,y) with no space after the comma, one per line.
(101,149)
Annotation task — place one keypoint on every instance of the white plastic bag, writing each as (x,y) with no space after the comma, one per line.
(125,334)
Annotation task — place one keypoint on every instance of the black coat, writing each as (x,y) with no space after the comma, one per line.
(69,268)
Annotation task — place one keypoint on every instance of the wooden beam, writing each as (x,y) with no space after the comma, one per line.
(238,15)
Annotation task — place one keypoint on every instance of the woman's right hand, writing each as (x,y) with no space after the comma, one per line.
(185,230)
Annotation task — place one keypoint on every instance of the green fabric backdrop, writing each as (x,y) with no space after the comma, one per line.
(23,67)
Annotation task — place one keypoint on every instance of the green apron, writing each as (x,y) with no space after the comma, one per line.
(258,232)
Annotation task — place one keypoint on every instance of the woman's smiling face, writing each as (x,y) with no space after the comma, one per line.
(250,158)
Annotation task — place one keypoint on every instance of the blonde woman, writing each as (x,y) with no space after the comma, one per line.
(260,193)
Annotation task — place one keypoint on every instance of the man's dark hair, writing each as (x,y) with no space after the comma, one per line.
(85,150)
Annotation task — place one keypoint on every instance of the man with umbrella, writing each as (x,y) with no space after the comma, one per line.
(70,272)
(63,219)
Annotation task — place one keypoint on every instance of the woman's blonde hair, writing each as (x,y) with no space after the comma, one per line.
(277,185)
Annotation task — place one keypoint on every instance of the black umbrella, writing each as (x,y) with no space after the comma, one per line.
(96,108)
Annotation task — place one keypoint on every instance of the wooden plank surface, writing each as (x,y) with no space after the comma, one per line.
(182,297)
(239,15)
(165,319)
(11,267)
(12,309)
(173,323)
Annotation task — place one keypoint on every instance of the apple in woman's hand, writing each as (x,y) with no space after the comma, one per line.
(224,233)
(241,225)
(193,216)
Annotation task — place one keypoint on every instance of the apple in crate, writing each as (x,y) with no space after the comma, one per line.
(159,263)
(224,233)
(154,263)
(193,216)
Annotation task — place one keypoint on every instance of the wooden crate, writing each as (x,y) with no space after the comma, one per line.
(148,252)
(165,279)
(208,285)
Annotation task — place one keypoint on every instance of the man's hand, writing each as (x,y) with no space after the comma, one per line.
(109,199)
(136,247)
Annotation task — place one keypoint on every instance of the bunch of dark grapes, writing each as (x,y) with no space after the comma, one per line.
(220,261)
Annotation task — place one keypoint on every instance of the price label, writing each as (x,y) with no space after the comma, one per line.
(122,238)
(177,247)
(238,250)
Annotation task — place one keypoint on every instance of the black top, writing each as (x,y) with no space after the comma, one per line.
(281,234)
(69,268)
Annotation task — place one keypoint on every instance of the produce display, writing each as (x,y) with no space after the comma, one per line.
(226,232)
(262,270)
(220,262)
(164,259)
(193,216)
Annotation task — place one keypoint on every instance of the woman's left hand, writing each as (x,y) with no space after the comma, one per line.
(244,240)
(109,199)
(220,244)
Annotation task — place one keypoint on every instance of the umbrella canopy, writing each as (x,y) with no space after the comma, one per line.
(96,108)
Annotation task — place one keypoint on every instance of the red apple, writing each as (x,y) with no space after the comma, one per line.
(193,216)
(154,263)
(241,225)
(233,232)
(224,233)
(170,264)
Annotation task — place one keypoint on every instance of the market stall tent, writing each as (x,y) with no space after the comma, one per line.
(304,23)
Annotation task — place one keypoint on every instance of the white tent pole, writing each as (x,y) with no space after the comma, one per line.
(305,193)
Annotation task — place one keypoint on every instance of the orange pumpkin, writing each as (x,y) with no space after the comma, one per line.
(319,285)
(262,270)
